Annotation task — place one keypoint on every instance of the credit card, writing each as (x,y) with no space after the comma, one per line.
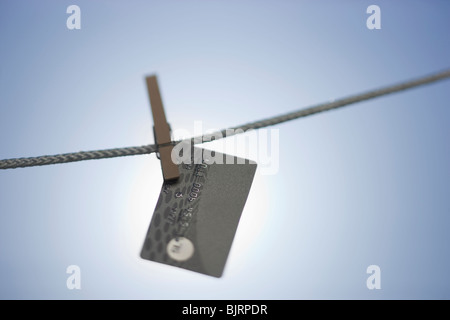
(196,217)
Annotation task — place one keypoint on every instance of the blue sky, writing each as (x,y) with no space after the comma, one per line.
(359,186)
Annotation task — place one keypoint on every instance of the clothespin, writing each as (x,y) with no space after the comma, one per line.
(161,131)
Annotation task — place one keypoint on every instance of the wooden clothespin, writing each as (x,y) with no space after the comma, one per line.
(161,130)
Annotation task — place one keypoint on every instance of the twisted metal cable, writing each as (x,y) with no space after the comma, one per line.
(129,151)
(326,106)
(75,156)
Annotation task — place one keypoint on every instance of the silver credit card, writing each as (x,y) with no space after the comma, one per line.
(196,217)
